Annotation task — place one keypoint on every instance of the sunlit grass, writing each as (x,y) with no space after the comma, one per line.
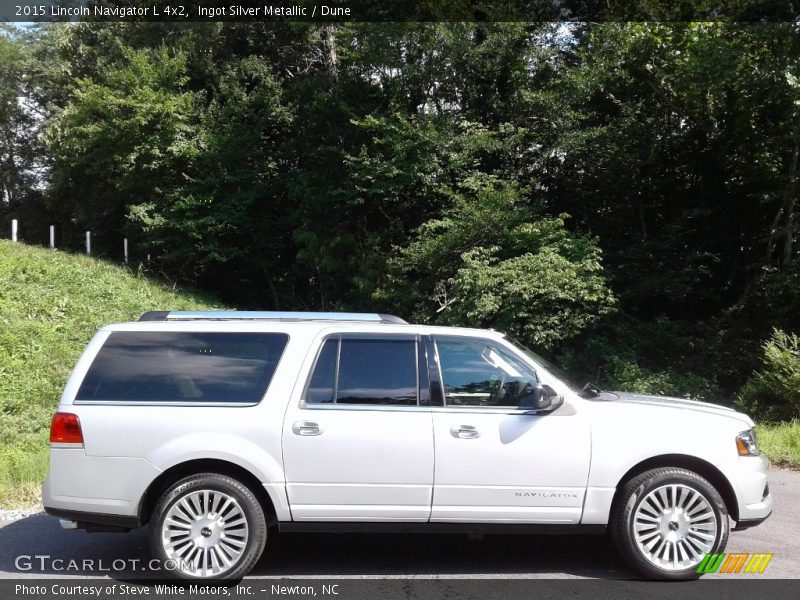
(51,303)
(781,443)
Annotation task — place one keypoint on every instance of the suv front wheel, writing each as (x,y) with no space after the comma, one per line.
(666,520)
(208,526)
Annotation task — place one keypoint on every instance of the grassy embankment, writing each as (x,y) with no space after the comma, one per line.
(781,443)
(51,303)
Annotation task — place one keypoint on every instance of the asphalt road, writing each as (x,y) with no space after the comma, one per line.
(407,556)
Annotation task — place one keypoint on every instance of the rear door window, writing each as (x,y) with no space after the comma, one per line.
(371,371)
(183,367)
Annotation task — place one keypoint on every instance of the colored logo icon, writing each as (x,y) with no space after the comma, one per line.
(734,562)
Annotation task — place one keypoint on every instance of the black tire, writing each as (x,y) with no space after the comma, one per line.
(630,497)
(214,482)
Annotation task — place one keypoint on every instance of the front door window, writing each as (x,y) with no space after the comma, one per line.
(480,373)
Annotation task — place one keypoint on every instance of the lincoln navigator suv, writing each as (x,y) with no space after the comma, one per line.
(217,429)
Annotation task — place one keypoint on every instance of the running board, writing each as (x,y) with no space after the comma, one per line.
(462,528)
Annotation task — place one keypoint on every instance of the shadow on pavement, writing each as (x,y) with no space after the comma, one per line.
(41,535)
(306,554)
(451,554)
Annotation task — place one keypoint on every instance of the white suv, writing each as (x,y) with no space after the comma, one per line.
(216,429)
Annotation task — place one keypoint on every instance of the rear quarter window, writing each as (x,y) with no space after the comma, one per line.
(183,367)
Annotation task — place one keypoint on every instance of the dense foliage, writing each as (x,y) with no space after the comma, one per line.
(621,196)
(774,391)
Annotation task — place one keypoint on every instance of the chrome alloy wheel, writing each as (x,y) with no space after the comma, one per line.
(674,527)
(205,533)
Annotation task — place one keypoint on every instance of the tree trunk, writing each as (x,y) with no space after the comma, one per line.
(331,56)
(788,207)
(274,291)
(781,233)
(789,199)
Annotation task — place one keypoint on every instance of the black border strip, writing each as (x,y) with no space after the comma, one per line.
(322,11)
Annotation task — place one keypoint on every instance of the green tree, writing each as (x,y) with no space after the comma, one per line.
(226,223)
(18,128)
(125,139)
(493,260)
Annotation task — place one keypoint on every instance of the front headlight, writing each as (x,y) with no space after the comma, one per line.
(746,443)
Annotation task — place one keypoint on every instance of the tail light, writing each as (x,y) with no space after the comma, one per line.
(65,428)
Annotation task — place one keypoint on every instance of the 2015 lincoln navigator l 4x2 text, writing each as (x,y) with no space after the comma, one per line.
(216,429)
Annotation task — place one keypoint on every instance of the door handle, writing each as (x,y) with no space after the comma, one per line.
(464,431)
(306,428)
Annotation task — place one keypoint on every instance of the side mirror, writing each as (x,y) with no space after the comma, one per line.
(541,398)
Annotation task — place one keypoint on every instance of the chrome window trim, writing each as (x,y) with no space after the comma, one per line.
(439,368)
(163,403)
(336,366)
(367,407)
(495,410)
(498,410)
(423,368)
(434,373)
(416,365)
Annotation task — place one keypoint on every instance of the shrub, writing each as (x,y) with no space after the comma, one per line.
(648,357)
(627,375)
(773,393)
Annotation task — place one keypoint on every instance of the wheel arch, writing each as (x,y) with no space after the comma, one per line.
(691,463)
(204,465)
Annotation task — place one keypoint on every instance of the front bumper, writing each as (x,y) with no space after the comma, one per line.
(749,478)
(740,525)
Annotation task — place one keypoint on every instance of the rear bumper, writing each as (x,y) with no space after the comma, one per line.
(75,519)
(96,484)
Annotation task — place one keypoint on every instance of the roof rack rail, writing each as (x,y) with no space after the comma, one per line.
(257,315)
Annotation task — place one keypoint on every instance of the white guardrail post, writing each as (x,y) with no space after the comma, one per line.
(14,226)
(52,237)
(88,242)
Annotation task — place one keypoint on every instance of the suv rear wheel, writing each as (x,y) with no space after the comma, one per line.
(208,526)
(666,520)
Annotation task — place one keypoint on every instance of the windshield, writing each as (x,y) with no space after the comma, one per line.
(568,379)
